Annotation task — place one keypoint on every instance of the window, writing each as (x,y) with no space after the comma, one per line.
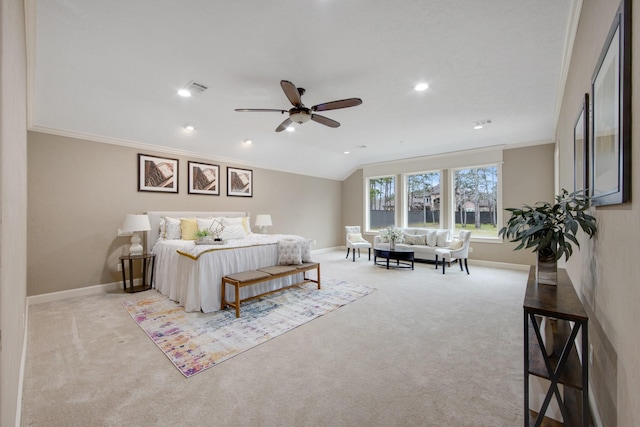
(476,201)
(382,202)
(423,199)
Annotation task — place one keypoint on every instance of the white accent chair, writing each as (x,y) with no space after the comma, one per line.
(355,241)
(447,254)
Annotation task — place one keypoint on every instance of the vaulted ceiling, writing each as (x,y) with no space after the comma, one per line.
(110,71)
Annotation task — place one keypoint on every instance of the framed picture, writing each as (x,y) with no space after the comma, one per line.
(581,149)
(204,179)
(239,182)
(157,174)
(611,115)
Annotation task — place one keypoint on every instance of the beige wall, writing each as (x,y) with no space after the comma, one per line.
(13,204)
(518,168)
(79,192)
(604,272)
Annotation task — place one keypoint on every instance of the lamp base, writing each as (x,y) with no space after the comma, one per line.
(135,248)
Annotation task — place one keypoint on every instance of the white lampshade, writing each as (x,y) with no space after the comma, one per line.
(263,221)
(136,223)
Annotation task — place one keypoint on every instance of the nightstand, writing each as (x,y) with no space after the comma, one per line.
(147,260)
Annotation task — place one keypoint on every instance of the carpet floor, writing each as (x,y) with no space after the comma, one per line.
(424,349)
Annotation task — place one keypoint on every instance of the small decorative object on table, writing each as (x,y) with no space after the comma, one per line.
(393,234)
(211,236)
(550,230)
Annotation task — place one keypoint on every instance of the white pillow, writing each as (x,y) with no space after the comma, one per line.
(305,251)
(432,238)
(441,237)
(289,252)
(172,228)
(233,232)
(204,223)
(240,220)
(355,237)
(455,244)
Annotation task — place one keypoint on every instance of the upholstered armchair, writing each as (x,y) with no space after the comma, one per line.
(356,241)
(457,250)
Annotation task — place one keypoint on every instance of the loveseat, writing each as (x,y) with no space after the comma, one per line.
(423,241)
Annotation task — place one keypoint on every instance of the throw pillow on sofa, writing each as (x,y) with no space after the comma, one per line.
(441,238)
(411,239)
(431,238)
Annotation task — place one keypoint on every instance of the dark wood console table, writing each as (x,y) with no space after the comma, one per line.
(564,366)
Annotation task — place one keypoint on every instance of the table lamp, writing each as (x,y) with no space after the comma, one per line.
(136,223)
(263,221)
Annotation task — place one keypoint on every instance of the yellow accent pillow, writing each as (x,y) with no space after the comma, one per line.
(246,225)
(189,228)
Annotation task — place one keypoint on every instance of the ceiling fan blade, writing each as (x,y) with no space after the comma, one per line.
(324,120)
(259,110)
(334,105)
(284,125)
(292,92)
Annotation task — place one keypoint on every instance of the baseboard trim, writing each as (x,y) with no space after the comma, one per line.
(72,293)
(503,265)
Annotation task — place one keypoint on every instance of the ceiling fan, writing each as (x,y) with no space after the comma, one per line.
(301,114)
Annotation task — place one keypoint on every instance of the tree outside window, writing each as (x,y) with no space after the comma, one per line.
(423,200)
(382,202)
(476,200)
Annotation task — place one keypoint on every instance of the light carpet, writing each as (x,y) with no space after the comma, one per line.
(197,341)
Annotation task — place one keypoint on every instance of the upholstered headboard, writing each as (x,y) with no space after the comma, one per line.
(156,216)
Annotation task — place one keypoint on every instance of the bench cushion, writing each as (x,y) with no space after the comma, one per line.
(278,269)
(246,276)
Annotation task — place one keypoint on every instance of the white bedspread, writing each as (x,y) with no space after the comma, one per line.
(191,274)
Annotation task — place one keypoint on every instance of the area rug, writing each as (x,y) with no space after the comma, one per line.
(197,341)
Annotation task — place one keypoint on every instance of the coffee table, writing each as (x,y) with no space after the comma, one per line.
(402,257)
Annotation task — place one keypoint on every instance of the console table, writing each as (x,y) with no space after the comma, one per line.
(563,366)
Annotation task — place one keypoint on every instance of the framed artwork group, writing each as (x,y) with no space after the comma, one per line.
(602,131)
(160,174)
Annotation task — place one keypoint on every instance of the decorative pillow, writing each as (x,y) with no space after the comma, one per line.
(172,228)
(188,228)
(233,232)
(204,223)
(455,244)
(246,223)
(289,252)
(355,237)
(411,239)
(237,221)
(305,250)
(441,237)
(432,238)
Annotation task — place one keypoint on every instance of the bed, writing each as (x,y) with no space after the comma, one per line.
(191,274)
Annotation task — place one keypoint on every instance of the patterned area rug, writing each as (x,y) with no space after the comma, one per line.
(197,341)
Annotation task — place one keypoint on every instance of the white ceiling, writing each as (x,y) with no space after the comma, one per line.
(109,70)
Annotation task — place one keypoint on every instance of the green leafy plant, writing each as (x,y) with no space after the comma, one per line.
(551,228)
(203,233)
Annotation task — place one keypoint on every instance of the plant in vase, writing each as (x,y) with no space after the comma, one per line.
(550,229)
(393,235)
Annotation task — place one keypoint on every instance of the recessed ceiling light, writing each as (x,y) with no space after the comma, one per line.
(184,92)
(189,127)
(421,86)
(248,141)
(291,129)
(346,152)
(477,127)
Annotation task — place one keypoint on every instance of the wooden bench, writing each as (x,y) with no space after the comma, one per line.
(248,278)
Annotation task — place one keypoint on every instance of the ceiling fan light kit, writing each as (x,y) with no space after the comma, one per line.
(301,114)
